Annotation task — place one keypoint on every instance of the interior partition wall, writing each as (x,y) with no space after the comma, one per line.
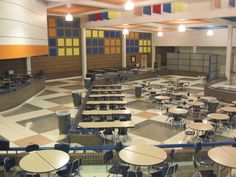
(210,64)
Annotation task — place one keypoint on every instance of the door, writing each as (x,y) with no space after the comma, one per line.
(143,61)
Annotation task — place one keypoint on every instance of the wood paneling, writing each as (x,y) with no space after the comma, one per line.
(57,67)
(104,61)
(138,55)
(18,65)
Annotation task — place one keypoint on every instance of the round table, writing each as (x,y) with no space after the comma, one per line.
(224,155)
(178,111)
(44,161)
(200,126)
(234,102)
(218,116)
(143,155)
(195,103)
(208,98)
(162,97)
(229,109)
(179,93)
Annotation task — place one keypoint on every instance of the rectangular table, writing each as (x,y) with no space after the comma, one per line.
(107,95)
(115,102)
(107,90)
(106,86)
(105,112)
(115,124)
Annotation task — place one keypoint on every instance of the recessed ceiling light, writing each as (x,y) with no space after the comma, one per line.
(125,31)
(181,28)
(69,17)
(160,34)
(210,33)
(125,24)
(129,5)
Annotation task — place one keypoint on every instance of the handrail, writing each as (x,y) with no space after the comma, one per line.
(112,147)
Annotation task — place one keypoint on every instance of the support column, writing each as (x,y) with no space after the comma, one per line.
(194,49)
(229,53)
(84,54)
(28,65)
(153,50)
(124,51)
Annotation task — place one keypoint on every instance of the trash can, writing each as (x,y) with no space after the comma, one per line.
(77,98)
(138,91)
(92,76)
(212,106)
(87,82)
(63,118)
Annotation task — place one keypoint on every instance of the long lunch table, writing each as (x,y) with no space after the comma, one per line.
(120,95)
(115,102)
(105,112)
(106,86)
(107,90)
(115,124)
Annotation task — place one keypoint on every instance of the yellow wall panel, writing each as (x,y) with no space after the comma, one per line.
(107,50)
(101,34)
(144,42)
(113,42)
(148,42)
(149,49)
(107,42)
(61,52)
(75,42)
(118,42)
(68,42)
(144,49)
(95,33)
(60,42)
(76,51)
(140,42)
(88,33)
(69,52)
(140,49)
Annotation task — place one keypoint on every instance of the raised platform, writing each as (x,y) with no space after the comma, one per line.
(12,99)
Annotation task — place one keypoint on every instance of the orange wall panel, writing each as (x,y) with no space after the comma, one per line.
(20,51)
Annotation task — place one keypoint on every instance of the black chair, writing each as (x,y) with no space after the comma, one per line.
(123,132)
(8,164)
(201,173)
(32,175)
(32,147)
(72,169)
(116,169)
(4,145)
(62,147)
(132,174)
(167,171)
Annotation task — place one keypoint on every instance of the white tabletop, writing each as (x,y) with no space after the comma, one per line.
(178,111)
(143,155)
(105,112)
(44,161)
(208,98)
(195,103)
(162,97)
(229,109)
(200,126)
(115,124)
(218,116)
(224,155)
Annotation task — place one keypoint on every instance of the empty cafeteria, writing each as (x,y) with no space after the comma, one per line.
(122,88)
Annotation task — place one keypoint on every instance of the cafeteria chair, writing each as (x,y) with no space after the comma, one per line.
(132,174)
(62,147)
(4,145)
(123,132)
(32,147)
(117,168)
(9,163)
(202,172)
(168,171)
(72,169)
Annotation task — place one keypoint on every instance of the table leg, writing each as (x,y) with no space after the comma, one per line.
(218,171)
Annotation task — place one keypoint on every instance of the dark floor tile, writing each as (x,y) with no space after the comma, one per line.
(47,92)
(55,83)
(129,91)
(194,91)
(188,79)
(61,100)
(41,124)
(22,109)
(140,104)
(148,128)
(74,87)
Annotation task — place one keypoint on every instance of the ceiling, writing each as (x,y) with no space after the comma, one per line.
(81,8)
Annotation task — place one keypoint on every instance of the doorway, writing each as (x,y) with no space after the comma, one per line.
(143,60)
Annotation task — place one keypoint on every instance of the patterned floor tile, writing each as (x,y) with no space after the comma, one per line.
(140,104)
(37,139)
(61,100)
(54,83)
(47,92)
(74,87)
(22,109)
(147,115)
(58,108)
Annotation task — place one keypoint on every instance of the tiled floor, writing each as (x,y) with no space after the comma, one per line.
(36,122)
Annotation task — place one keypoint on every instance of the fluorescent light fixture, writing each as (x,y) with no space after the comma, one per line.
(129,5)
(181,28)
(210,33)
(69,17)
(160,34)
(125,31)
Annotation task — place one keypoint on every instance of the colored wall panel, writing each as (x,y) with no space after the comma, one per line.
(118,50)
(147,10)
(52,32)
(76,51)
(232,3)
(95,33)
(68,42)
(138,11)
(167,7)
(107,50)
(75,42)
(60,42)
(112,42)
(69,52)
(113,50)
(118,42)
(52,22)
(101,34)
(52,42)
(88,33)
(156,9)
(61,52)
(107,42)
